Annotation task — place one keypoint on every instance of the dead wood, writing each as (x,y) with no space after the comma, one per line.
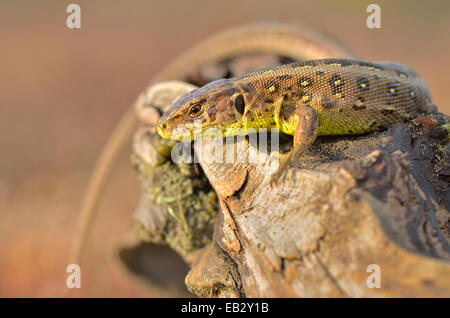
(349,202)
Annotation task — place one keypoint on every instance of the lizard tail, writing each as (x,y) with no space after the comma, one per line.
(115,145)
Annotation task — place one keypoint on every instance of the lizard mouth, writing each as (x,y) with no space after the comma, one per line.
(189,133)
(196,134)
(164,133)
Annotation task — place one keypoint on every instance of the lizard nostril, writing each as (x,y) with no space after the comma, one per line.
(164,125)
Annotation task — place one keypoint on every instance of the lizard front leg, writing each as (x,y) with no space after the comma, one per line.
(304,136)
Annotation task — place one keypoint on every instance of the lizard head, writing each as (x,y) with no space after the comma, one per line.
(218,104)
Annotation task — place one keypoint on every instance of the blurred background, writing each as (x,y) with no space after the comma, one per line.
(63,90)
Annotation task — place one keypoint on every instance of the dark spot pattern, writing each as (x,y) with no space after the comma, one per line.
(363,83)
(370,65)
(337,84)
(387,111)
(284,77)
(269,101)
(342,62)
(376,77)
(401,74)
(305,81)
(304,63)
(359,103)
(345,63)
(392,88)
(412,91)
(310,63)
(306,97)
(358,107)
(319,73)
(271,86)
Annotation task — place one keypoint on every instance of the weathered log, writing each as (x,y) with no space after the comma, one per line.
(349,202)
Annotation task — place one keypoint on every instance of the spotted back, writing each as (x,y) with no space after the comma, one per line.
(350,96)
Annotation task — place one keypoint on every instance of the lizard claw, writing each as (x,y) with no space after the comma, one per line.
(274,178)
(273,181)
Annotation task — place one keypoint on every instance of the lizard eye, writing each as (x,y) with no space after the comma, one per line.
(195,110)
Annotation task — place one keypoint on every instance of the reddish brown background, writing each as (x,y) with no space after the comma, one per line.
(62,91)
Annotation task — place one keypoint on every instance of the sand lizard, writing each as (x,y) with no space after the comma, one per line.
(304,99)
(292,41)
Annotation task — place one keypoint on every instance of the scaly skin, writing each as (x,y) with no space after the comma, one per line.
(285,40)
(303,99)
